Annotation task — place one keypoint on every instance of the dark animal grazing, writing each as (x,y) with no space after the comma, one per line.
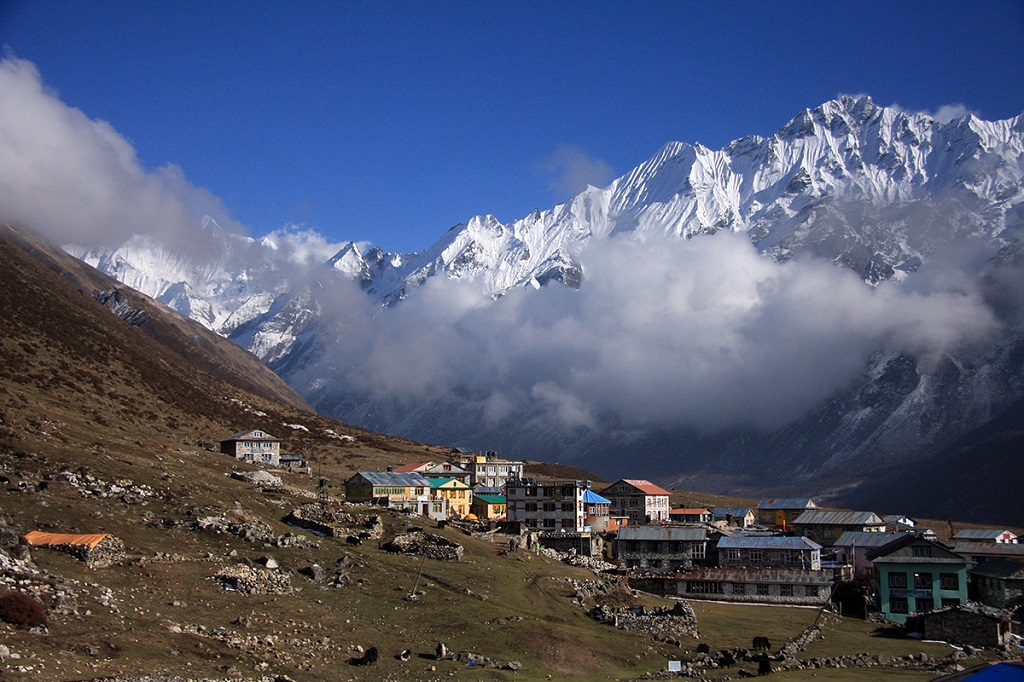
(703,648)
(368,658)
(354,540)
(762,643)
(764,666)
(726,658)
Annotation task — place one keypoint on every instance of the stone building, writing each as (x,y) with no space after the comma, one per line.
(640,500)
(824,526)
(255,446)
(967,624)
(748,585)
(999,583)
(779,512)
(547,504)
(661,549)
(775,551)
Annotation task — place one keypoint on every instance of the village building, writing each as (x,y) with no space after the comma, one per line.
(898,523)
(690,515)
(1001,537)
(397,490)
(999,583)
(779,512)
(967,624)
(748,585)
(447,470)
(597,513)
(489,507)
(547,505)
(97,550)
(488,470)
(411,468)
(639,500)
(825,526)
(852,548)
(738,517)
(977,553)
(255,446)
(779,551)
(913,574)
(661,549)
(458,494)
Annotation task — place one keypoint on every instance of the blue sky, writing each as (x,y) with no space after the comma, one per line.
(392,121)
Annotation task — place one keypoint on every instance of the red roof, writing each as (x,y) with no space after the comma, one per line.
(411,467)
(646,486)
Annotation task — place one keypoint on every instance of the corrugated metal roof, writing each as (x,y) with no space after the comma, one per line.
(825,517)
(590,497)
(980,534)
(1004,569)
(989,548)
(856,538)
(38,537)
(775,542)
(412,466)
(395,478)
(491,499)
(690,511)
(735,512)
(771,503)
(441,482)
(667,533)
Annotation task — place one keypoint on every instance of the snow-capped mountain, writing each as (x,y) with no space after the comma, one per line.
(878,191)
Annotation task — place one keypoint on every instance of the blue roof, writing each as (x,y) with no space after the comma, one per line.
(590,497)
(395,478)
(1006,671)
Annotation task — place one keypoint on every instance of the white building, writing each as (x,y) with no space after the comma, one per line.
(547,505)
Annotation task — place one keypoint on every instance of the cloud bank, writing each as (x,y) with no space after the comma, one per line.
(702,334)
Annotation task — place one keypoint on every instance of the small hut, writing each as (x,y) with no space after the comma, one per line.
(97,550)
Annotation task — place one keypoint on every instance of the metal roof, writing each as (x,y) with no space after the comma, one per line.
(395,478)
(774,542)
(825,517)
(786,503)
(669,533)
(857,538)
(247,435)
(441,482)
(491,499)
(737,512)
(981,534)
(989,548)
(590,497)
(1004,569)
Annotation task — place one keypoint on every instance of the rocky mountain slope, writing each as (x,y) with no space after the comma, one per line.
(907,203)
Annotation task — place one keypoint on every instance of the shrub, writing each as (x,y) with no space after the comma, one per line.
(21,609)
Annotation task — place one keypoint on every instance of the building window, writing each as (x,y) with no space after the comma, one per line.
(732,554)
(567,523)
(898,581)
(786,590)
(946,603)
(949,581)
(549,506)
(762,589)
(756,556)
(739,588)
(654,563)
(567,506)
(811,590)
(549,523)
(922,581)
(922,550)
(531,506)
(923,604)
(898,605)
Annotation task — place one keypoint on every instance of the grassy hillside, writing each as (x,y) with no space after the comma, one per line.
(105,428)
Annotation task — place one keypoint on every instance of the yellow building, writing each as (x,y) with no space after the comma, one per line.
(458,494)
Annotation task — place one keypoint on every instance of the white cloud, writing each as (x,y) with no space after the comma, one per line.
(700,334)
(571,169)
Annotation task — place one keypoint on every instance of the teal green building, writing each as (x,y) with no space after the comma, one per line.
(914,574)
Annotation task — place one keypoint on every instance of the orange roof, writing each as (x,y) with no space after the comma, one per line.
(692,511)
(646,486)
(37,537)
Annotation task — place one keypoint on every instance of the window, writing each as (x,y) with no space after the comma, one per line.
(654,563)
(898,581)
(732,554)
(898,605)
(949,581)
(922,581)
(531,506)
(922,550)
(567,523)
(549,523)
(923,604)
(653,546)
(549,506)
(811,590)
(756,556)
(950,602)
(739,588)
(697,550)
(566,506)
(786,590)
(762,589)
